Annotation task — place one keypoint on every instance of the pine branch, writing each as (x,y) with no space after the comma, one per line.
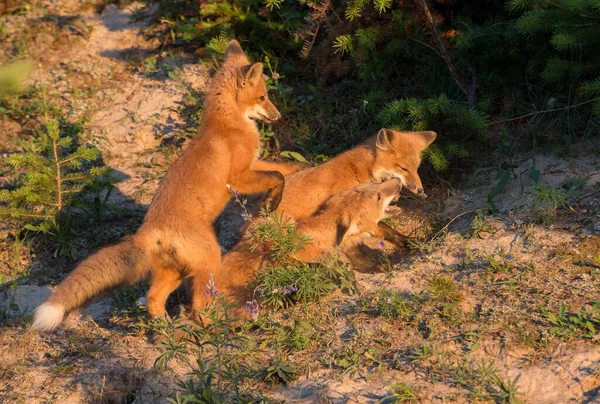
(446,54)
(575,13)
(311,30)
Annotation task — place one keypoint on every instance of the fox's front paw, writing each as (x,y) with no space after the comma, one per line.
(296,166)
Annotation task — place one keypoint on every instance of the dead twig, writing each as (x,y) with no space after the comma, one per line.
(587,196)
(451,221)
(540,112)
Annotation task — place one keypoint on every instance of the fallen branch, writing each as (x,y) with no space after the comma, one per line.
(451,221)
(587,196)
(540,112)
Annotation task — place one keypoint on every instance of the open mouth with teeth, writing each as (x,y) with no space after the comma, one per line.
(392,210)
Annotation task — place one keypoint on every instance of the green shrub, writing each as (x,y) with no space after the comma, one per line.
(284,280)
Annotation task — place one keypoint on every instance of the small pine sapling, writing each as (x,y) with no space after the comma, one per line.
(55,175)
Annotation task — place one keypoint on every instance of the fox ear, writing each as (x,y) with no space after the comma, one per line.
(234,55)
(343,224)
(252,74)
(426,138)
(385,137)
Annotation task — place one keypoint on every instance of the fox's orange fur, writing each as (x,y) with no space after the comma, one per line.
(344,219)
(176,239)
(390,154)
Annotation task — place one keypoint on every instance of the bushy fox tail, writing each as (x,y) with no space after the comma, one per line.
(110,267)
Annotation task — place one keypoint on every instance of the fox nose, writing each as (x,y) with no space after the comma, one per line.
(421,193)
(275,116)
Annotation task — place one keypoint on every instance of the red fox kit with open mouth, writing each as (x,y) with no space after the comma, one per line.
(343,220)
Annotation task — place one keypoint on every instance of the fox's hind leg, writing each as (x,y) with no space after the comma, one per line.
(162,283)
(204,289)
(201,256)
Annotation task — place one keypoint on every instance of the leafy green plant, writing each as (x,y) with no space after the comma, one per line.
(280,235)
(480,225)
(422,353)
(498,264)
(396,305)
(583,324)
(12,76)
(507,390)
(358,354)
(217,372)
(282,286)
(295,337)
(279,371)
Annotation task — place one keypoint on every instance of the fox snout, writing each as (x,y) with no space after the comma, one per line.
(417,190)
(272,113)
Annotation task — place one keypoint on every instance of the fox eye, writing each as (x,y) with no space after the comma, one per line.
(262,98)
(403,168)
(379,196)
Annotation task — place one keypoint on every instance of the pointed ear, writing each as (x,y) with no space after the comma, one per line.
(385,138)
(343,224)
(252,74)
(426,138)
(234,55)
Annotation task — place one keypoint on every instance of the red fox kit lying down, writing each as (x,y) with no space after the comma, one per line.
(344,219)
(390,154)
(176,239)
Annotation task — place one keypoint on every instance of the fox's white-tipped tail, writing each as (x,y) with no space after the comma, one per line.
(48,316)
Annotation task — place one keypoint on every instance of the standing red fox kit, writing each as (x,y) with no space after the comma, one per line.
(176,240)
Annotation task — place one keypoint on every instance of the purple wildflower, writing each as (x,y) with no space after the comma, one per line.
(211,287)
(253,308)
(287,289)
(381,245)
(245,214)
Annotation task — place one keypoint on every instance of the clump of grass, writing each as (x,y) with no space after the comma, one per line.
(547,199)
(443,289)
(401,393)
(392,304)
(295,337)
